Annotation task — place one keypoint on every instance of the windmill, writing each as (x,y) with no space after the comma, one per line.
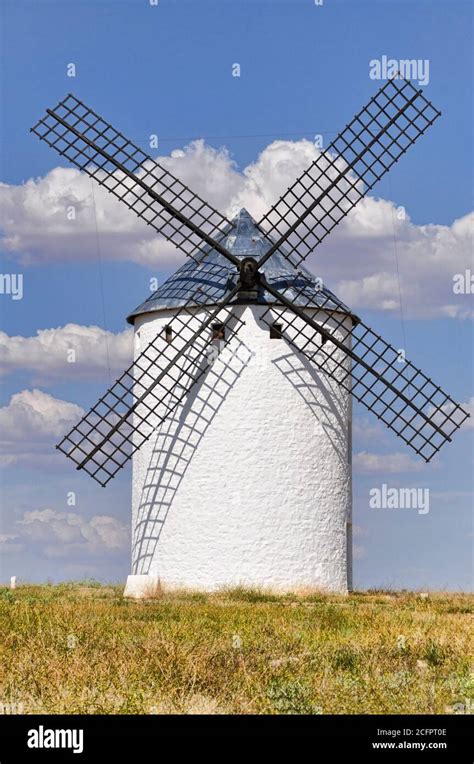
(242,467)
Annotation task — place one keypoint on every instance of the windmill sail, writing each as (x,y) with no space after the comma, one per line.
(155,195)
(397,392)
(149,390)
(352,164)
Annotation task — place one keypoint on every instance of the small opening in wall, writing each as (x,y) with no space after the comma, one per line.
(218,332)
(168,334)
(275,331)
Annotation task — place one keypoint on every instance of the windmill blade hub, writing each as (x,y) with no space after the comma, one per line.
(249,275)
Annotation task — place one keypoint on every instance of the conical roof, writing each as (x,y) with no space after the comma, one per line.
(216,275)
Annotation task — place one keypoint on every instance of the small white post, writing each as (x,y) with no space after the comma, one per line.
(13,582)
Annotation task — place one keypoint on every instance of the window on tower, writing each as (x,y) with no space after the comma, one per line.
(218,332)
(168,334)
(275,331)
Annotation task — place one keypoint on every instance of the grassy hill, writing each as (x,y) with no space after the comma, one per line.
(82,648)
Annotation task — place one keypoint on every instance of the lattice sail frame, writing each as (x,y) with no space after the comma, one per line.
(342,175)
(364,364)
(318,200)
(94,146)
(148,391)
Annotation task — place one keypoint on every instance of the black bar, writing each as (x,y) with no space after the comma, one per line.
(104,737)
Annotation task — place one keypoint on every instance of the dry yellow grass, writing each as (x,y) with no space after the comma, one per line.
(84,649)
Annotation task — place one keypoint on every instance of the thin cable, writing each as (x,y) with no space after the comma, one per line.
(395,249)
(250,135)
(101,280)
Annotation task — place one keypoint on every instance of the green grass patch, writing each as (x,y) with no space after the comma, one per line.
(82,648)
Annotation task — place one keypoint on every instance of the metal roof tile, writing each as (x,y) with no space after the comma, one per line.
(216,276)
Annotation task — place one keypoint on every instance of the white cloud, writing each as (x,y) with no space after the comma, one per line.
(359,552)
(366,462)
(358,260)
(358,531)
(35,220)
(47,353)
(428,258)
(450,409)
(64,533)
(31,424)
(9,543)
(368,430)
(468,424)
(276,168)
(468,406)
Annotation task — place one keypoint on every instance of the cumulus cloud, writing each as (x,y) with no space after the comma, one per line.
(50,352)
(365,430)
(358,260)
(359,551)
(30,424)
(61,534)
(468,406)
(10,544)
(431,260)
(36,215)
(365,462)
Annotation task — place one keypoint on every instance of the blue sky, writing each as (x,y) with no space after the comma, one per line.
(304,71)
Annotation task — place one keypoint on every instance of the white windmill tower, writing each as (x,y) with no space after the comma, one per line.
(248,481)
(237,407)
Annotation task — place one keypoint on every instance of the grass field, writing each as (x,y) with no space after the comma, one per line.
(82,648)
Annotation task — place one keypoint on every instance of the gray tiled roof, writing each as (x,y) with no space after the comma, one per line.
(215,275)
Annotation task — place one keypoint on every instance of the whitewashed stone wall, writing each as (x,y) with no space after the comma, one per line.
(250,481)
